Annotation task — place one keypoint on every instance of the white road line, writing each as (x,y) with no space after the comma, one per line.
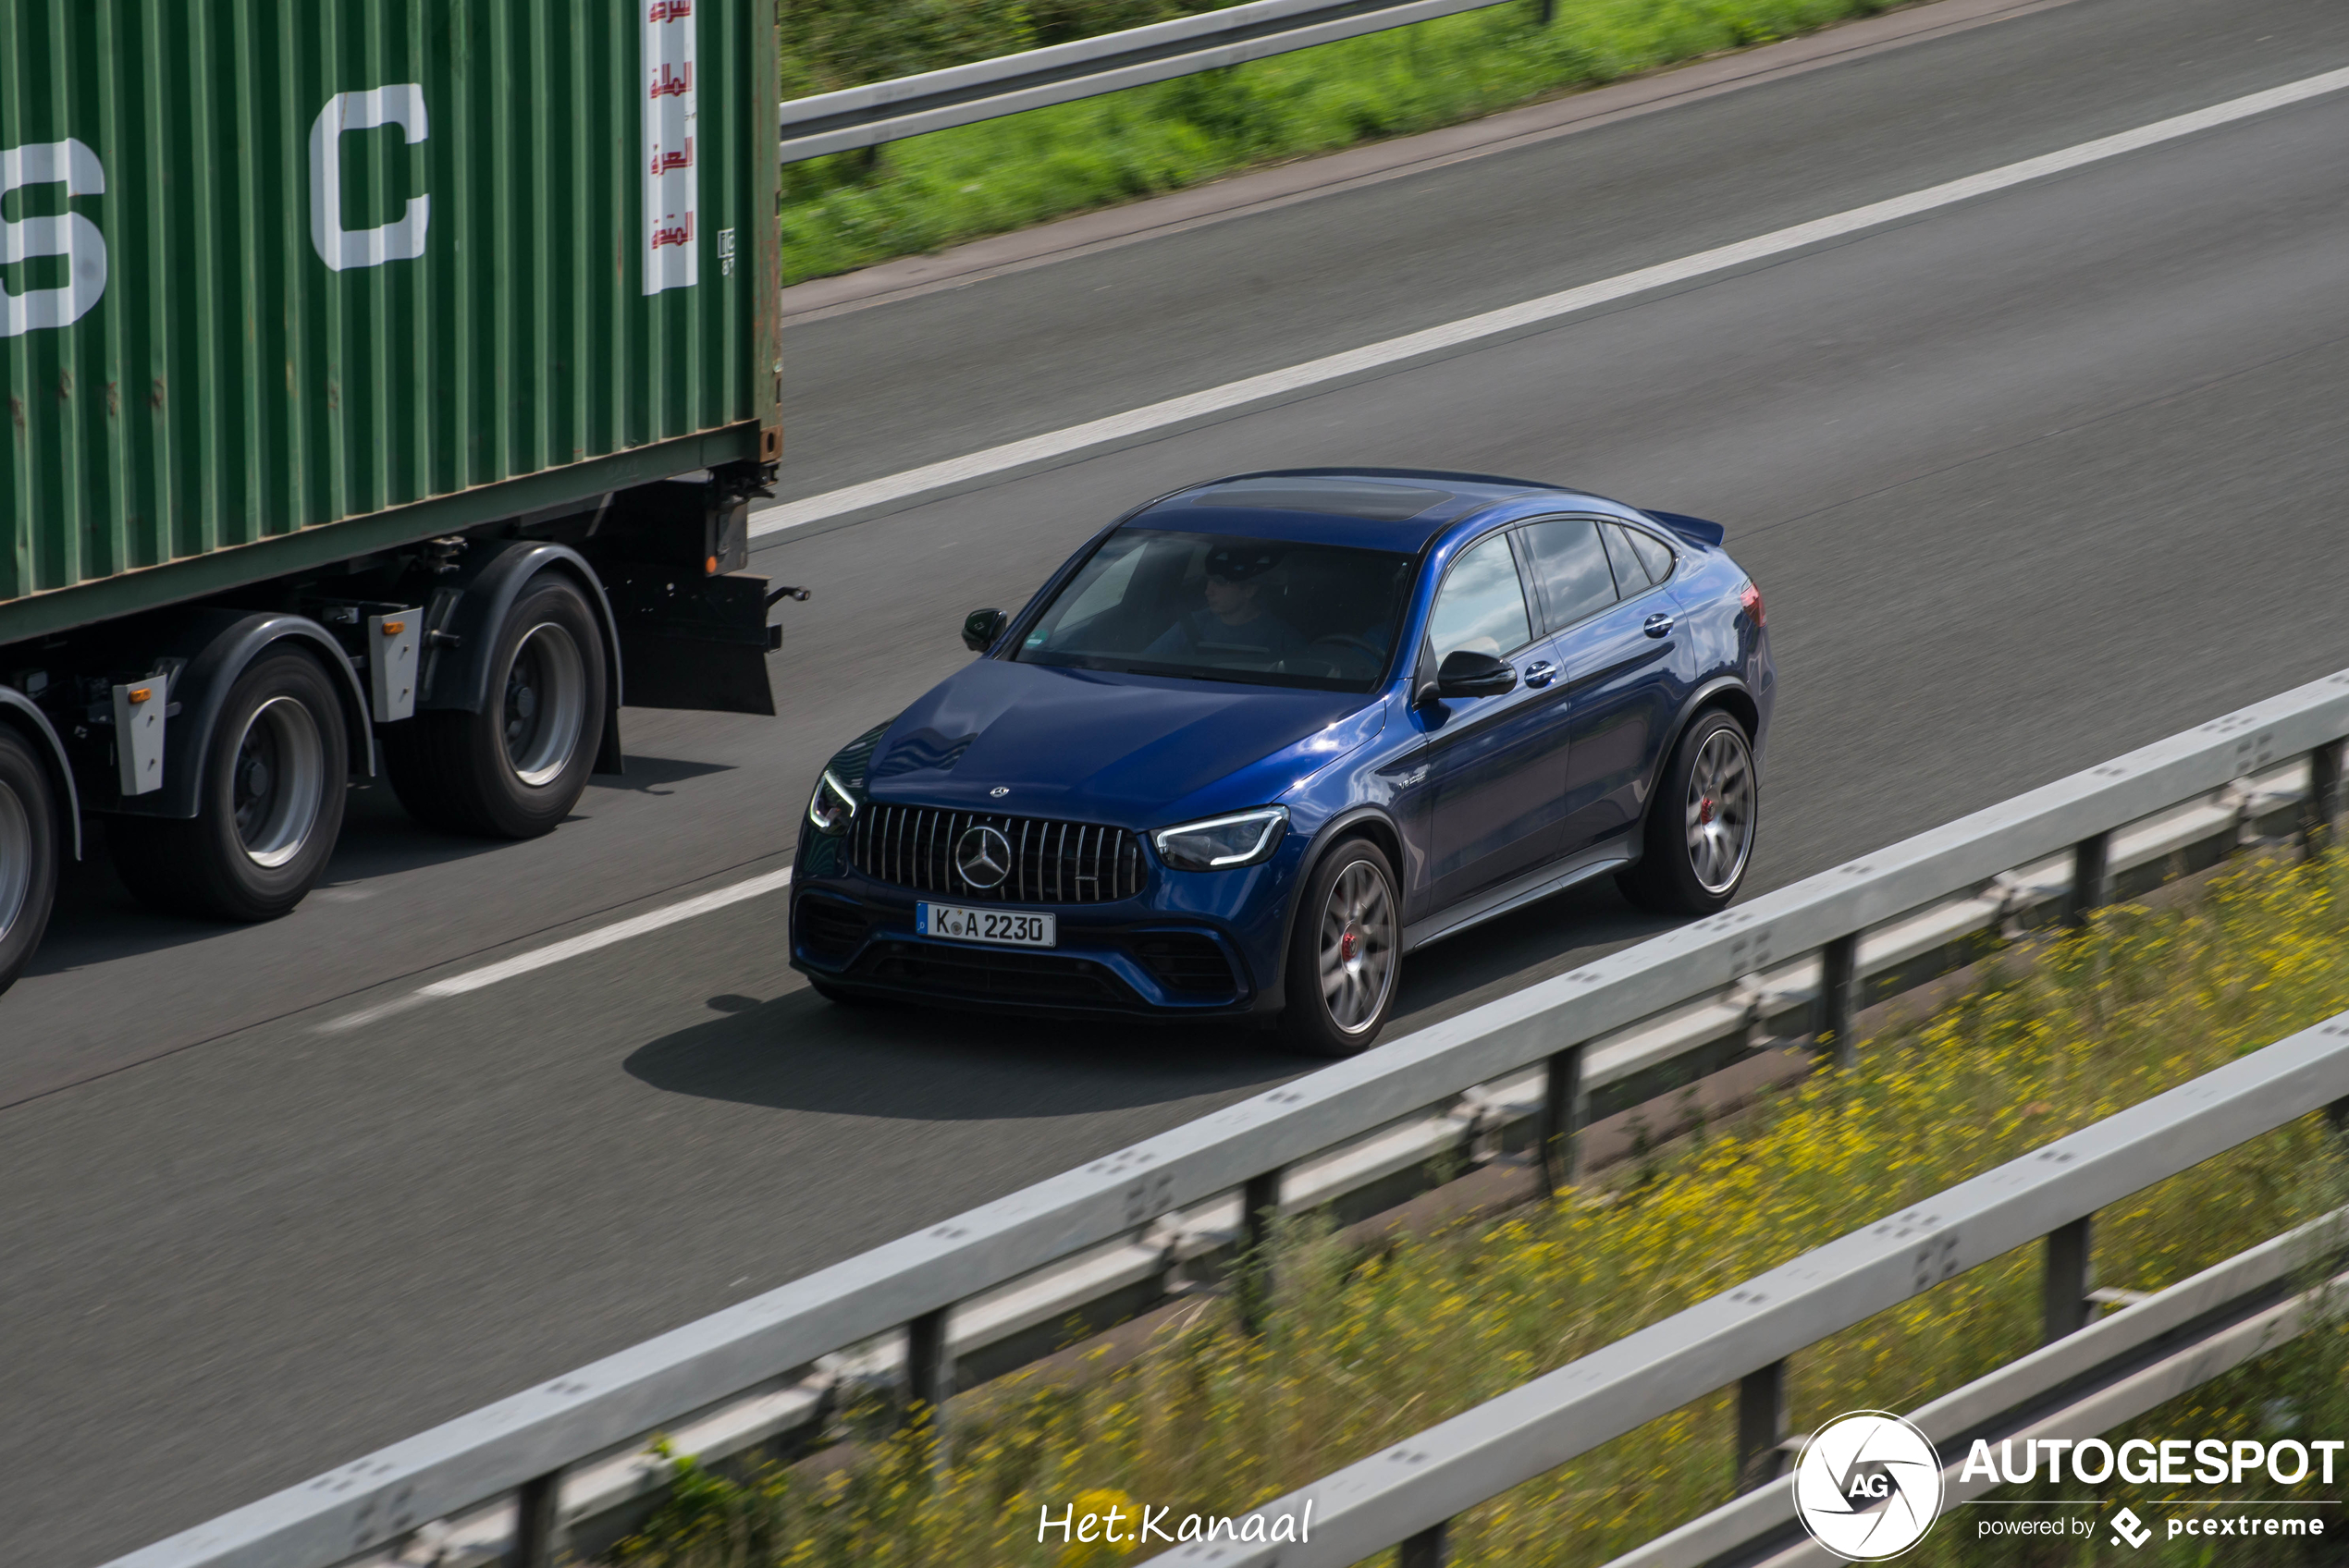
(935,481)
(569,947)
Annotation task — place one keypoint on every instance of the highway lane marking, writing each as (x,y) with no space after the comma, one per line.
(937,481)
(569,947)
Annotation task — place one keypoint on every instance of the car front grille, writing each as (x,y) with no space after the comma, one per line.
(1051,863)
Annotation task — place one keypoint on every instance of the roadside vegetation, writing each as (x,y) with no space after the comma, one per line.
(1361,1350)
(852,209)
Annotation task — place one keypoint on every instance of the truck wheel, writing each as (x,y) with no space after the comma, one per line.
(514,769)
(29,830)
(268,806)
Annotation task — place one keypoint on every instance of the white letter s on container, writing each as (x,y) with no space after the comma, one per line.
(74,166)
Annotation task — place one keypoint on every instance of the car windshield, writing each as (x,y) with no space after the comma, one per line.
(1220,607)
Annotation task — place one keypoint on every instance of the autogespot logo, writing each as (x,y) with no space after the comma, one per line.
(1868,1486)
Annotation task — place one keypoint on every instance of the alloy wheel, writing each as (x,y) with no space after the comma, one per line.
(1720,810)
(1356,948)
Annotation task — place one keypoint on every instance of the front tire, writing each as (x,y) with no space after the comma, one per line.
(1700,821)
(514,769)
(268,806)
(29,832)
(1345,952)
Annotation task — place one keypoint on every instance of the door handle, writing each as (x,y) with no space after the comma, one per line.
(1541,672)
(1658,626)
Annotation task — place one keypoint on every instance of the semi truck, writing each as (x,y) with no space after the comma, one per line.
(388,386)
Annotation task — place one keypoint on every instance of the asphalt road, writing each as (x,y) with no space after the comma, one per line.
(2027,482)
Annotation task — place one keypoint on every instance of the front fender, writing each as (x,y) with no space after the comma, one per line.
(1273,993)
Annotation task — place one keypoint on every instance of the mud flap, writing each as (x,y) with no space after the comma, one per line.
(692,642)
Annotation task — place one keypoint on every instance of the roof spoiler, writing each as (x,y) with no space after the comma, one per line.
(1694,529)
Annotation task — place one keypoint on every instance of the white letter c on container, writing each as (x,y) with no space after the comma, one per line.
(339,248)
(72,165)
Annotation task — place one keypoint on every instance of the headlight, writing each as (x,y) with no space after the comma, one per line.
(831,808)
(1221,841)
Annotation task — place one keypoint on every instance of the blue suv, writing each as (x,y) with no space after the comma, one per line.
(1260,737)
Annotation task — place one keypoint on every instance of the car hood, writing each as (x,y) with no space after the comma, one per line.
(1133,751)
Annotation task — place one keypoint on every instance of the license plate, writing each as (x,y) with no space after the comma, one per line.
(1002,928)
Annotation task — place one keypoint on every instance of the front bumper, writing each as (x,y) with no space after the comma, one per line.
(1190,945)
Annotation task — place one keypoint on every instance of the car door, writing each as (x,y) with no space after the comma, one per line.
(1494,763)
(1617,669)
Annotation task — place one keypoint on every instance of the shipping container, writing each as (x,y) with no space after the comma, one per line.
(342,315)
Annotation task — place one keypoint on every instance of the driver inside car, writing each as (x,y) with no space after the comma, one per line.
(1233,624)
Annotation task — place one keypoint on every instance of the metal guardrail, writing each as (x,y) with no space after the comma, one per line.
(522,1446)
(2082,1386)
(1406,1492)
(891,111)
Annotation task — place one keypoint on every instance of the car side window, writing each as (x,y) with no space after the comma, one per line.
(1570,566)
(1653,553)
(1482,605)
(1630,577)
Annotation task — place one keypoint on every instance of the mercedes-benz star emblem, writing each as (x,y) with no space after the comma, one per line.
(983,856)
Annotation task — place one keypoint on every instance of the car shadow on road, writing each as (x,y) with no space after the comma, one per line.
(797,1051)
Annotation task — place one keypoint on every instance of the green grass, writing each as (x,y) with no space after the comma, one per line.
(1361,1352)
(842,212)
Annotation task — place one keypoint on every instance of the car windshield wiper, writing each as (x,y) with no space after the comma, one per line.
(1181,673)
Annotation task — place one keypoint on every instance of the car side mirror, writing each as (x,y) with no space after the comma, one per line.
(1466,674)
(980,628)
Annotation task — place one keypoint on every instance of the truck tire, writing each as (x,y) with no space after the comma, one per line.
(29,834)
(268,808)
(514,769)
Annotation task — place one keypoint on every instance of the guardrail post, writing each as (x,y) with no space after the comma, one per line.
(536,1521)
(2324,799)
(1566,1106)
(1426,1550)
(929,1378)
(2064,1288)
(1252,1281)
(1838,997)
(2091,879)
(1761,1426)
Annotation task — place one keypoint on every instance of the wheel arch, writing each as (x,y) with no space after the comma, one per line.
(19,711)
(1724,693)
(477,604)
(1355,822)
(200,690)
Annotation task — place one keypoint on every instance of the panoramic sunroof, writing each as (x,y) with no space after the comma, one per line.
(1363,498)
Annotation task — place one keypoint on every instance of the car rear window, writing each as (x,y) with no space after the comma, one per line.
(1221,606)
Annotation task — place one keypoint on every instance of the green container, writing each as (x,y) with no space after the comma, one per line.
(286,281)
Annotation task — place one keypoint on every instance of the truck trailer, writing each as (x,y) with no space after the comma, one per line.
(388,386)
